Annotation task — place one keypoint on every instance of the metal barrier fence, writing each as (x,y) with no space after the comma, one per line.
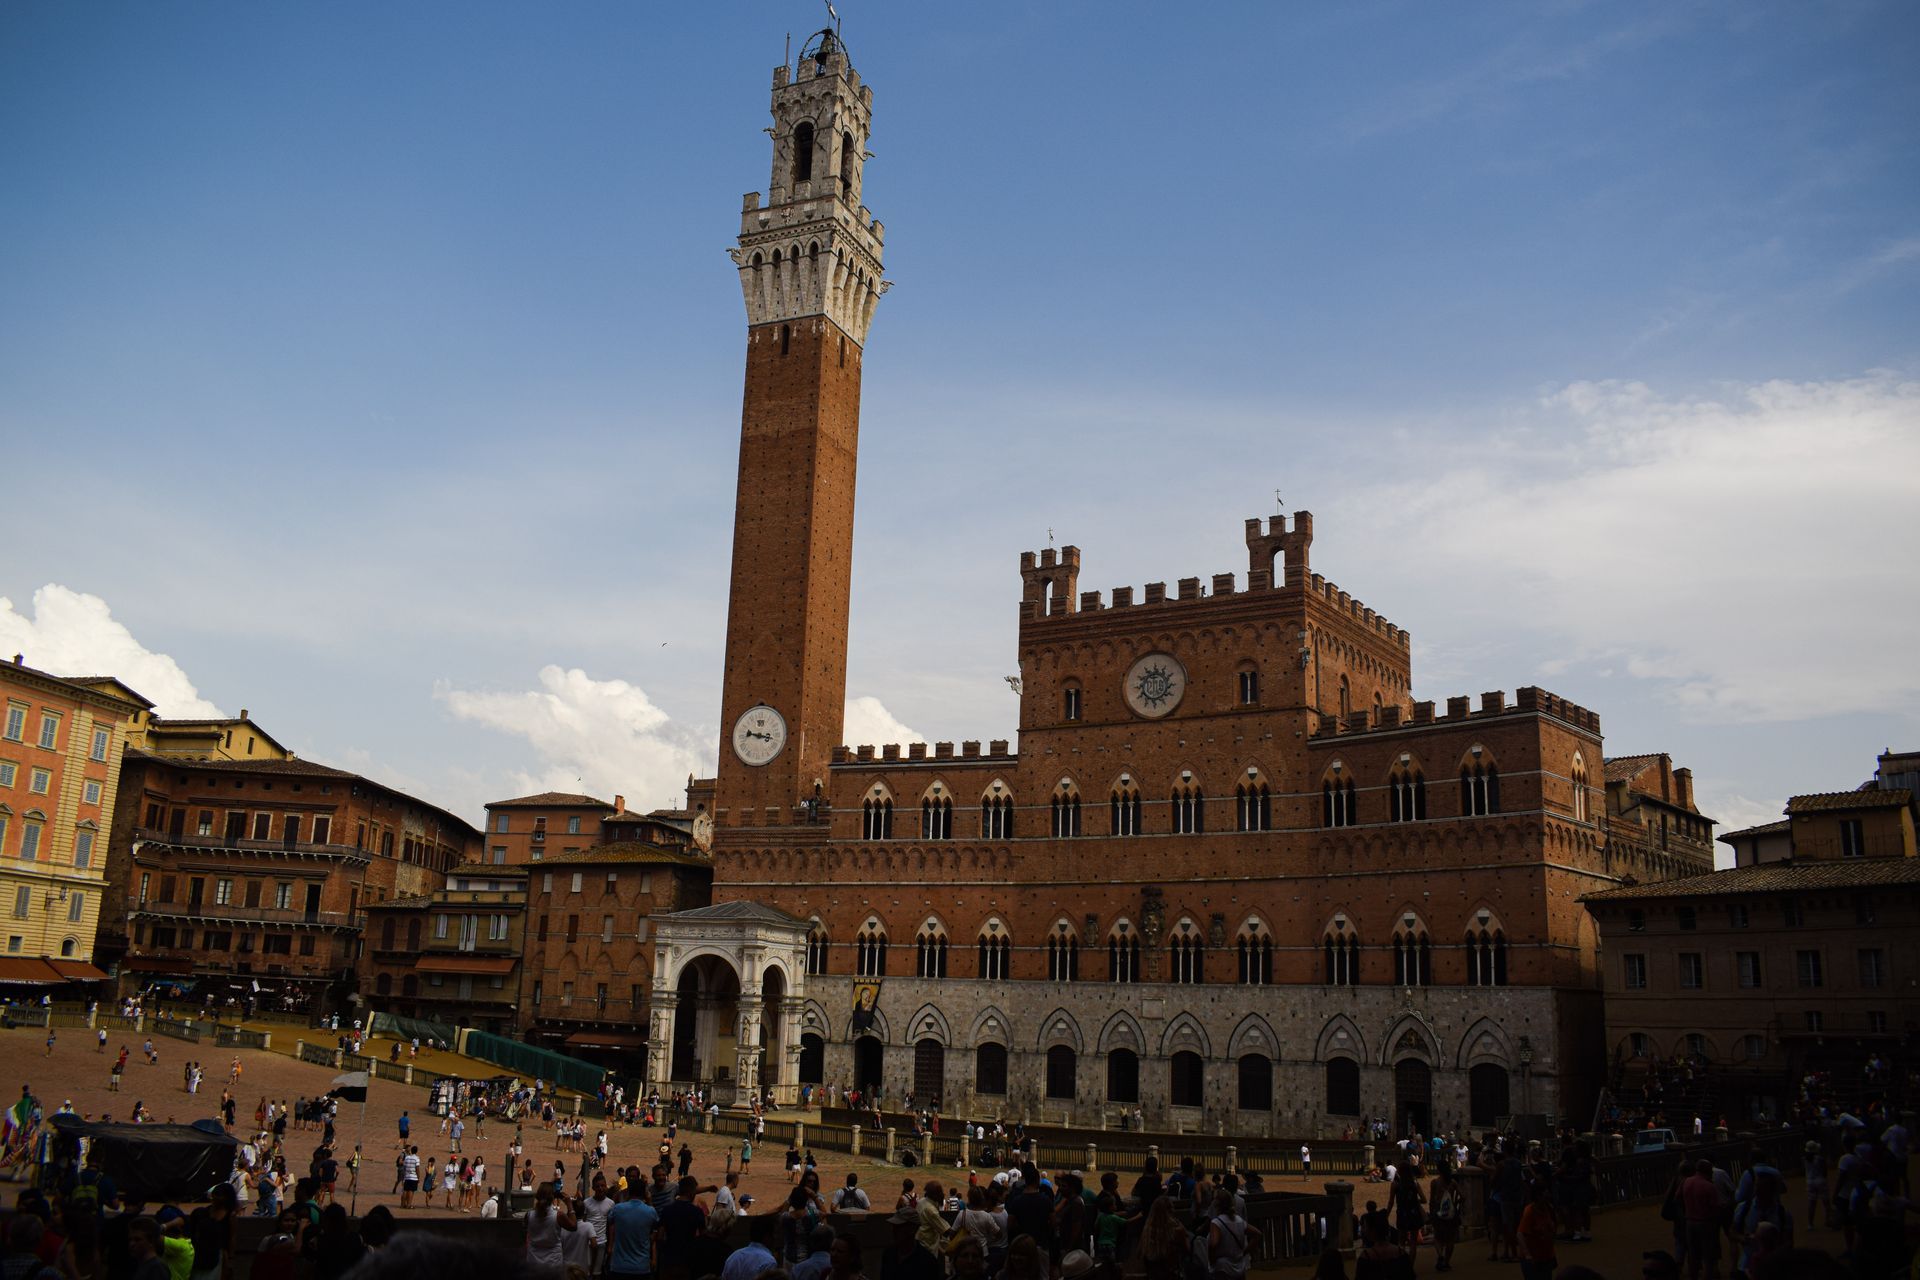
(176,1030)
(25,1016)
(1626,1179)
(235,1038)
(115,1022)
(317,1053)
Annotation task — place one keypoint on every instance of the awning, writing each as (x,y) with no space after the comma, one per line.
(606,1040)
(77,971)
(28,971)
(499,966)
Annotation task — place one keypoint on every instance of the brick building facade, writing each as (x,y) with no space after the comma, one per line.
(1800,961)
(531,828)
(247,874)
(452,956)
(1236,873)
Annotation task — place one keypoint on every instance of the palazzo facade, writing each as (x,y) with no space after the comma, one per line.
(1235,874)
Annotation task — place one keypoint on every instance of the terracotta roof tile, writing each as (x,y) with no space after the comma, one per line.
(1892,798)
(633,851)
(1622,768)
(549,800)
(1774,877)
(1764,829)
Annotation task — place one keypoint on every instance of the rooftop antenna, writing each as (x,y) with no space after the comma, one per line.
(1278,504)
(789,54)
(1049,535)
(834,14)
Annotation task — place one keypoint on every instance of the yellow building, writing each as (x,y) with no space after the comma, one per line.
(61,743)
(227,738)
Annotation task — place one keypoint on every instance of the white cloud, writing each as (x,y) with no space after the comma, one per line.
(71,633)
(868,722)
(1742,551)
(607,737)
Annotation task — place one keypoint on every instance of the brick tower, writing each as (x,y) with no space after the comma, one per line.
(809,261)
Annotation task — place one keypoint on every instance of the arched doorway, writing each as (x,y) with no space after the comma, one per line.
(929,1072)
(1123,1076)
(1063,1066)
(1256,1082)
(813,1059)
(706,1023)
(773,999)
(869,1056)
(1413,1095)
(990,1069)
(1487,1094)
(1186,1079)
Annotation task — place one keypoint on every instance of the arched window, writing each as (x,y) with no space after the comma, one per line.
(1256,955)
(1123,955)
(936,818)
(876,817)
(817,948)
(930,951)
(1337,799)
(413,934)
(1063,956)
(410,985)
(1579,778)
(1070,700)
(1188,956)
(1346,700)
(803,152)
(386,934)
(1376,707)
(1479,785)
(1342,950)
(1124,804)
(1256,1082)
(1066,812)
(1407,791)
(996,955)
(990,1069)
(996,815)
(1123,1076)
(870,953)
(846,165)
(1253,807)
(1343,1087)
(1486,958)
(383,985)
(1189,809)
(1187,1079)
(66,946)
(1063,1065)
(1640,1045)
(1412,958)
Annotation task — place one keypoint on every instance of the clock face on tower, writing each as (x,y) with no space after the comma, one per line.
(759,734)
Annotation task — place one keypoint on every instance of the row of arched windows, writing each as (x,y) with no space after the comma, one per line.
(1486,954)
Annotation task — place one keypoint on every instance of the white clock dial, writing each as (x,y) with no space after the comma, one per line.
(1155,685)
(759,735)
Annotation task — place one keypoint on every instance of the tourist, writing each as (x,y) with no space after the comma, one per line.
(1538,1226)
(1445,1205)
(1230,1239)
(1162,1240)
(851,1196)
(545,1221)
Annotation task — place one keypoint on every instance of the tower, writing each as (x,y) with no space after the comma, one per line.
(809,262)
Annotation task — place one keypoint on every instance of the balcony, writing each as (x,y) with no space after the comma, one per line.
(234,913)
(229,844)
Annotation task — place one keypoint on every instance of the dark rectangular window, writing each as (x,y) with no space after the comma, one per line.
(1692,971)
(573,928)
(1070,709)
(262,826)
(1853,840)
(1636,973)
(1747,965)
(1806,966)
(1249,688)
(1873,967)
(1687,918)
(1791,915)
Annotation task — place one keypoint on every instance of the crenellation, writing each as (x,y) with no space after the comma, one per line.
(943,751)
(1156,593)
(916,751)
(1189,588)
(1089,601)
(970,749)
(1222,584)
(1493,703)
(1123,597)
(1528,700)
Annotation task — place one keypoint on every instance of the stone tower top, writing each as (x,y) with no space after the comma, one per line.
(813,249)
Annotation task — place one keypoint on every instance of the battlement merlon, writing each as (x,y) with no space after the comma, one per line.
(1050,582)
(1527,700)
(1276,539)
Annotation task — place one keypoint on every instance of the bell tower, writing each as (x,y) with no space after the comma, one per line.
(809,262)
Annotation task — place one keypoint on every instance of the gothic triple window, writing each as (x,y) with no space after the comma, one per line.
(936,818)
(1407,793)
(1256,957)
(1123,956)
(1412,958)
(996,817)
(930,951)
(1342,958)
(996,956)
(1479,785)
(1124,807)
(1579,778)
(870,953)
(1188,958)
(1063,957)
(1189,809)
(817,949)
(1066,813)
(1253,807)
(1486,958)
(876,818)
(1337,802)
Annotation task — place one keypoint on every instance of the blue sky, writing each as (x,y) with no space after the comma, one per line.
(369,361)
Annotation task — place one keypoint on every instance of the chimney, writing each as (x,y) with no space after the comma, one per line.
(19,659)
(619,804)
(243,713)
(1683,788)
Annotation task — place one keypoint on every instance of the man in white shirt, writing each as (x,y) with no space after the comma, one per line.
(724,1198)
(851,1196)
(593,1218)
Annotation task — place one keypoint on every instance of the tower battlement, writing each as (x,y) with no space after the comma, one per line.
(1527,700)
